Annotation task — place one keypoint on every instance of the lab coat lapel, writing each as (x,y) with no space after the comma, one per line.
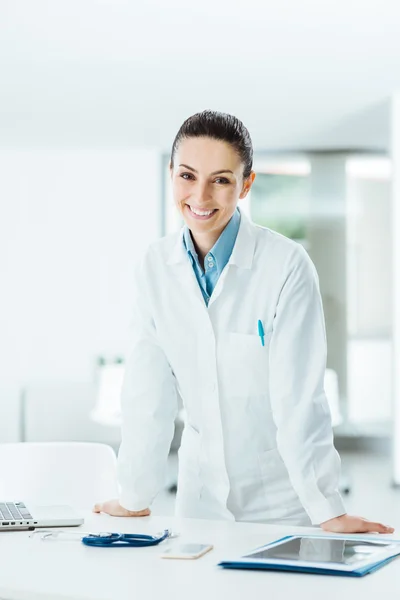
(241,257)
(179,260)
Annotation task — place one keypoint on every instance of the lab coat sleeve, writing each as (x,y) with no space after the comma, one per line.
(149,407)
(299,405)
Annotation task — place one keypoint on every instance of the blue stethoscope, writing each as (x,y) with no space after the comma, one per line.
(125,540)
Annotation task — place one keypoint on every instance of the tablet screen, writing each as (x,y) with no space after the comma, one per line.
(338,551)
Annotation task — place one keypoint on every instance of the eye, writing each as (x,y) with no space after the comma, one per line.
(222,180)
(186,176)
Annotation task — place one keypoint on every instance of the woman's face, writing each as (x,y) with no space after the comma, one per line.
(207,183)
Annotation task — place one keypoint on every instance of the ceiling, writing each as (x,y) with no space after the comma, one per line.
(299,74)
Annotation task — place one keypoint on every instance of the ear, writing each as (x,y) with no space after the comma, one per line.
(247,183)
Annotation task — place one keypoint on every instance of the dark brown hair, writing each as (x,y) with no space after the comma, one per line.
(218,126)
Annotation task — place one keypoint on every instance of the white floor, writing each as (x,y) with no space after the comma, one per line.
(372,495)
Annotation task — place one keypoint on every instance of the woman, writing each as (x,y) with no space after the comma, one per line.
(229,315)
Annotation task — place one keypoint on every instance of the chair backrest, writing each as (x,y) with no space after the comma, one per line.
(75,473)
(60,412)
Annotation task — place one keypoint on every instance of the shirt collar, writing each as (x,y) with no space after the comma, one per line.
(243,251)
(222,249)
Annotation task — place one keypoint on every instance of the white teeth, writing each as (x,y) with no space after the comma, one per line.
(201,213)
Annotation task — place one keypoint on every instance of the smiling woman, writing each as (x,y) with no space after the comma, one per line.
(239,330)
(205,196)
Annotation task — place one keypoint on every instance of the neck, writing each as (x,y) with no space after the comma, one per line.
(204,242)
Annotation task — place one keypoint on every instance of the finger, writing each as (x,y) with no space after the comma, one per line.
(139,513)
(370,527)
(97,508)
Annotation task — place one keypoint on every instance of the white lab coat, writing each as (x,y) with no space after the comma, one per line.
(257,445)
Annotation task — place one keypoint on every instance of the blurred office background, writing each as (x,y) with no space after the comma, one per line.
(91,96)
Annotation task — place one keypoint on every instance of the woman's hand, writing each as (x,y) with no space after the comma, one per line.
(113,508)
(349,524)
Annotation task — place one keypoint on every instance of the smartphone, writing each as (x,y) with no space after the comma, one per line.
(187,551)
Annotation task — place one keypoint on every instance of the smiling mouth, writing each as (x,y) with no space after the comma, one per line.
(202,214)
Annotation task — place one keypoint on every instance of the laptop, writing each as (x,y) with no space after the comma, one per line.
(16,515)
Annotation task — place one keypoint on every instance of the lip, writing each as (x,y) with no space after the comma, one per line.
(199,217)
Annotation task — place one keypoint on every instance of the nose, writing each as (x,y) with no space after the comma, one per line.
(201,195)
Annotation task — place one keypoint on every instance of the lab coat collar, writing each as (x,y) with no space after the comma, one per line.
(245,245)
(242,253)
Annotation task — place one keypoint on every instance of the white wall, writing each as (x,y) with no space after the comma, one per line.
(72,224)
(370,256)
(369,299)
(369,380)
(395,231)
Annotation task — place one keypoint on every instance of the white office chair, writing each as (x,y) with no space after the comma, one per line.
(75,473)
(60,412)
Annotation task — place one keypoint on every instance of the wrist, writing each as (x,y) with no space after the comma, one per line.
(337,519)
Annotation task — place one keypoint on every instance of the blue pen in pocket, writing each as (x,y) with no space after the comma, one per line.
(261,332)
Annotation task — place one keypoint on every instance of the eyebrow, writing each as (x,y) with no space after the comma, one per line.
(213,173)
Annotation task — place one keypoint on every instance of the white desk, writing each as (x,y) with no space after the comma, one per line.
(32,569)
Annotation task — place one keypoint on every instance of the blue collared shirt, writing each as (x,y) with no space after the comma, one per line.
(216,259)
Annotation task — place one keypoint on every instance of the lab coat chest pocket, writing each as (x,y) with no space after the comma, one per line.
(245,364)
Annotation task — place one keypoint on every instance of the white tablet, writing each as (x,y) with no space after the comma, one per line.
(337,553)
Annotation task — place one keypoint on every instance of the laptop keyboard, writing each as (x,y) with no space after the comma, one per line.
(14,511)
